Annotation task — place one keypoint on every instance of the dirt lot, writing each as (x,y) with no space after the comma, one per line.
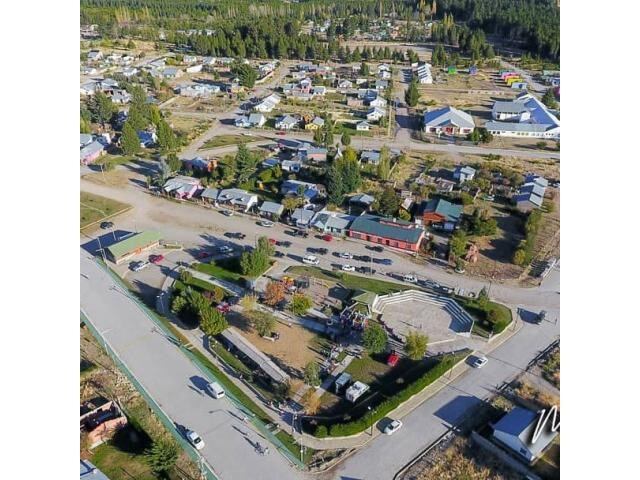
(295,346)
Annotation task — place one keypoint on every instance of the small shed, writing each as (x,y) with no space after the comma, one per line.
(341,382)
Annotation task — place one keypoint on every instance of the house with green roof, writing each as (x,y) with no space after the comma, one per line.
(391,232)
(135,244)
(440,212)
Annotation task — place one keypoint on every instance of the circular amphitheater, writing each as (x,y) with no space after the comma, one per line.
(441,318)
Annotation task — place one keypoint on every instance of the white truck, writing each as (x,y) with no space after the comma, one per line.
(355,391)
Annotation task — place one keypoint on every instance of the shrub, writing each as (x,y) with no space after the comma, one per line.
(321,431)
(374,338)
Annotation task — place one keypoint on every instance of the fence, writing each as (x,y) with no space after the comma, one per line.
(206,469)
(259,424)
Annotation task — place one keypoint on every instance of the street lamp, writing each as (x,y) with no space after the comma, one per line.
(370,420)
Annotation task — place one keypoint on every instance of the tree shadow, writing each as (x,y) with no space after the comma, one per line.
(131,439)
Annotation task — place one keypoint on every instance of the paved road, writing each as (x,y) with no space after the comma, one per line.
(174,382)
(196,226)
(384,456)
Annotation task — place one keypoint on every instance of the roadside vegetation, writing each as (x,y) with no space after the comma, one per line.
(94,208)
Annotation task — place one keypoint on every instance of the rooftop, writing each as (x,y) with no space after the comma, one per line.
(393,229)
(134,242)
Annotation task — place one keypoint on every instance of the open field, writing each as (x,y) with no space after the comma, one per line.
(94,208)
(224,140)
(188,126)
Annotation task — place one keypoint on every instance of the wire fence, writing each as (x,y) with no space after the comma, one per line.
(206,469)
(255,421)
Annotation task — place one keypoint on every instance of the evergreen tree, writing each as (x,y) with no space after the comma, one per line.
(412,95)
(388,202)
(346,138)
(384,166)
(101,108)
(166,138)
(162,456)
(364,69)
(129,141)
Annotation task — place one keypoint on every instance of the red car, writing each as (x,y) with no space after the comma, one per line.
(203,254)
(327,237)
(281,132)
(156,259)
(224,308)
(273,241)
(392,359)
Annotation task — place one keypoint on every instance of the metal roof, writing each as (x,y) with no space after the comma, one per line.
(134,242)
(89,471)
(447,115)
(521,423)
(387,228)
(450,211)
(271,207)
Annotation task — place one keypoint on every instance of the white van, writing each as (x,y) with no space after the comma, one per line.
(215,389)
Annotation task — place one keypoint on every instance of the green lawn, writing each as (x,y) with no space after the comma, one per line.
(221,270)
(483,326)
(114,159)
(94,208)
(224,140)
(366,369)
(116,463)
(353,282)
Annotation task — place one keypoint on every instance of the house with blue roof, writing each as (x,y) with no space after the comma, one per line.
(309,191)
(440,212)
(526,116)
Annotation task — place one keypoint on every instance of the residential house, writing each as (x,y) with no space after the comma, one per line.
(422,73)
(257,120)
(378,102)
(292,166)
(301,217)
(344,85)
(363,126)
(384,67)
(147,139)
(271,210)
(448,121)
(194,68)
(182,187)
(315,124)
(91,152)
(197,90)
(286,122)
(121,97)
(464,174)
(313,154)
(319,90)
(94,55)
(387,231)
(189,59)
(271,162)
(85,139)
(336,223)
(172,72)
(129,72)
(441,212)
(308,191)
(531,193)
(370,156)
(375,114)
(237,197)
(384,75)
(381,85)
(88,70)
(354,102)
(268,103)
(89,88)
(292,145)
(515,431)
(242,122)
(200,164)
(210,195)
(526,116)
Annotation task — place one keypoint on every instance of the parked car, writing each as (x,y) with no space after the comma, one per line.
(227,213)
(322,250)
(225,249)
(283,243)
(137,266)
(479,362)
(300,233)
(327,238)
(348,268)
(215,390)
(393,427)
(266,223)
(345,255)
(366,270)
(392,359)
(156,259)
(363,258)
(383,261)
(106,225)
(310,260)
(195,440)
(278,254)
(223,307)
(376,248)
(410,278)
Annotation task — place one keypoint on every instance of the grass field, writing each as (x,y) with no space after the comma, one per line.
(220,270)
(94,208)
(223,140)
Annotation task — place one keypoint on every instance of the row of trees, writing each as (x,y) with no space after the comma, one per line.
(374,339)
(188,300)
(343,176)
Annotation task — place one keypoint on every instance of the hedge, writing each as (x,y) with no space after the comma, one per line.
(393,402)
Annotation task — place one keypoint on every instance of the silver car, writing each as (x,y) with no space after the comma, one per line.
(393,427)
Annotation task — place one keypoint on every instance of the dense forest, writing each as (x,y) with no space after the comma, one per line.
(533,24)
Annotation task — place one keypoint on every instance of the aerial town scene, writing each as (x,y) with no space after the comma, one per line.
(319,239)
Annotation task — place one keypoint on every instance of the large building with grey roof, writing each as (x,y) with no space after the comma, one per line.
(526,116)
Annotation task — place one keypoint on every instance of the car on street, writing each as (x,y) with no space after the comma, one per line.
(215,390)
(278,254)
(383,261)
(225,249)
(410,278)
(376,248)
(227,213)
(366,270)
(283,243)
(393,427)
(195,440)
(348,268)
(266,223)
(300,233)
(106,225)
(156,259)
(363,258)
(345,255)
(327,237)
(139,265)
(238,235)
(310,260)
(479,362)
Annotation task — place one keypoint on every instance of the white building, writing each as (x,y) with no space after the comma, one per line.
(526,116)
(515,431)
(355,391)
(448,121)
